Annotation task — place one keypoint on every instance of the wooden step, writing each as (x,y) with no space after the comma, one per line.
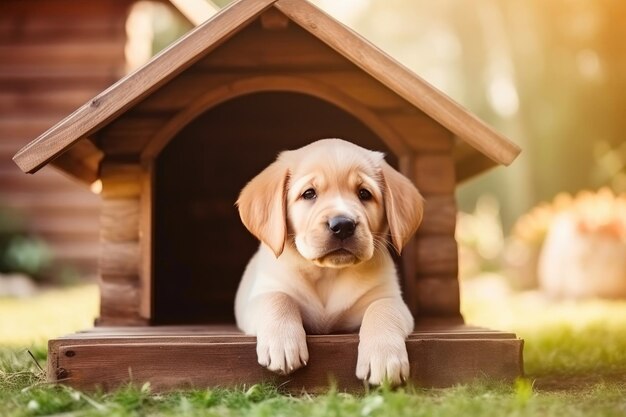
(171,357)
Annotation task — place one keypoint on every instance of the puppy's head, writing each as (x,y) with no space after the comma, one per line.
(334,201)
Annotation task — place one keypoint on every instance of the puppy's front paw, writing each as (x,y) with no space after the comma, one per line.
(282,348)
(383,359)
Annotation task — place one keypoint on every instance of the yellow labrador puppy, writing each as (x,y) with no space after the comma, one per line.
(323,214)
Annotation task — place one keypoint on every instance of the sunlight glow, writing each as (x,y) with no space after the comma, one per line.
(589,64)
(502,96)
(197,11)
(344,10)
(140,33)
(96,187)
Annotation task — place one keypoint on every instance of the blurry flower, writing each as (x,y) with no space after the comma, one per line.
(573,246)
(584,254)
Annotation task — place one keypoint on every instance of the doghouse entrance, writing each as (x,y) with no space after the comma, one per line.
(200,246)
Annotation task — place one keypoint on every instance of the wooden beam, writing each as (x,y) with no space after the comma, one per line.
(339,88)
(129,134)
(290,48)
(119,220)
(420,131)
(119,267)
(440,213)
(274,20)
(120,258)
(438,297)
(81,161)
(174,359)
(468,162)
(434,174)
(120,179)
(146,245)
(119,301)
(436,255)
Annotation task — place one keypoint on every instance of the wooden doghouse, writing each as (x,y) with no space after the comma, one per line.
(175,141)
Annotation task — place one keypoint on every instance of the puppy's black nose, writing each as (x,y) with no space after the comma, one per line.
(342,227)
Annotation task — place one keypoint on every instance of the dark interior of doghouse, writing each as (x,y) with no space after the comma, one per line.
(200,246)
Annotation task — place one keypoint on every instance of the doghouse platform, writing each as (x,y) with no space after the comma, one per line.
(201,356)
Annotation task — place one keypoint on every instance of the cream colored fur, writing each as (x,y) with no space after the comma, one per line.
(304,280)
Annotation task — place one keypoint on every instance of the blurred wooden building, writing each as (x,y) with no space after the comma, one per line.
(54,56)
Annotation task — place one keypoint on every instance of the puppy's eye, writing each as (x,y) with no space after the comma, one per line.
(364,195)
(309,194)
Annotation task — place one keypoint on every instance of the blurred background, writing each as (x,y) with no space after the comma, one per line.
(549,74)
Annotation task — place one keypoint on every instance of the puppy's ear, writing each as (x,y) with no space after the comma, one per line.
(263,206)
(404,206)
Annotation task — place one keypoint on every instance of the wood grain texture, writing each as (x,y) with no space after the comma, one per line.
(128,134)
(128,91)
(333,88)
(469,163)
(438,296)
(120,258)
(95,51)
(230,332)
(420,131)
(350,82)
(401,80)
(175,361)
(407,275)
(119,220)
(274,20)
(146,230)
(434,174)
(119,301)
(81,162)
(256,49)
(120,179)
(440,213)
(436,255)
(120,286)
(46,101)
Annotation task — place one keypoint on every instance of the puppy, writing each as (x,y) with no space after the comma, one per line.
(324,213)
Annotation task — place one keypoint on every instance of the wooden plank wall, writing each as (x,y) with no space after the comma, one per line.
(120,287)
(431,268)
(54,56)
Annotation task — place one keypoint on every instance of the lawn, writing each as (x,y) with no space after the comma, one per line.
(575,359)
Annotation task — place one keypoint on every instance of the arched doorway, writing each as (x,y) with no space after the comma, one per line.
(201,247)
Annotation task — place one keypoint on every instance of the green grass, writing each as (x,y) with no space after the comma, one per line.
(480,399)
(561,338)
(32,321)
(575,357)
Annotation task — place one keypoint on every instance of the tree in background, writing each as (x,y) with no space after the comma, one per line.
(549,74)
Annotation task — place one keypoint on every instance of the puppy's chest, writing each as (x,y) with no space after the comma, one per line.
(328,304)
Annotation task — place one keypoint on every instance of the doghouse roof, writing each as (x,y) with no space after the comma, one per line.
(67,145)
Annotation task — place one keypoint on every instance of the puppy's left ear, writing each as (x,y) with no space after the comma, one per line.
(404,206)
(263,206)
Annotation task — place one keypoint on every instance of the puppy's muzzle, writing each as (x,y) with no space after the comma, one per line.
(341,227)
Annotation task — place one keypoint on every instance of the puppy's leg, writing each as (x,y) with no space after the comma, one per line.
(281,340)
(382,347)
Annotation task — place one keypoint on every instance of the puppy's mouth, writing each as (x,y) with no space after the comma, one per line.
(337,258)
